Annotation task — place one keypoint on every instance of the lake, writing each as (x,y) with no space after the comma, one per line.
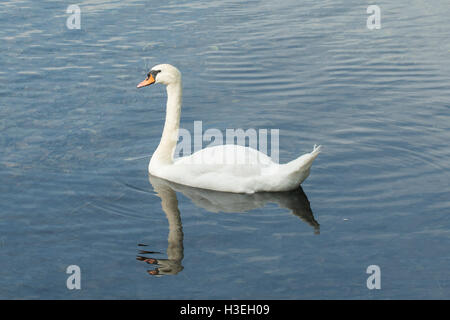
(77,136)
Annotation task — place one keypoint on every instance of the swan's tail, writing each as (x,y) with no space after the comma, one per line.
(309,158)
(316,150)
(298,169)
(305,161)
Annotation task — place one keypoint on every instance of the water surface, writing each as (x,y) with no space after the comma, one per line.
(76,137)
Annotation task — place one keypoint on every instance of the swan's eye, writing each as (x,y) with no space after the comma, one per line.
(153,73)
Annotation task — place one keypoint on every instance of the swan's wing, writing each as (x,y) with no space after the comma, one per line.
(230,168)
(228,155)
(227,161)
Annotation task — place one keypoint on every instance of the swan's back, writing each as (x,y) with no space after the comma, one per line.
(229,168)
(226,157)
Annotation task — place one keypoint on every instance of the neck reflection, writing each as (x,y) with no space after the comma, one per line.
(214,201)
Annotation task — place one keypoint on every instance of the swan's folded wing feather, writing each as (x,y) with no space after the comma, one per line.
(225,158)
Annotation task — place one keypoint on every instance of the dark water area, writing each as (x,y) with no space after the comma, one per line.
(76,138)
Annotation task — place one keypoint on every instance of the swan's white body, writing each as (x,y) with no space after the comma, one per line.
(227,168)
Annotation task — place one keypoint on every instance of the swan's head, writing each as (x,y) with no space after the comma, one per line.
(162,73)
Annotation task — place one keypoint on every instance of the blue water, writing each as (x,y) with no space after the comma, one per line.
(76,138)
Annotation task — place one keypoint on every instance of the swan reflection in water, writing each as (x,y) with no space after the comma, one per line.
(214,201)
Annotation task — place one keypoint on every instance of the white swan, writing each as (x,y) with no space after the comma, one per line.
(227,168)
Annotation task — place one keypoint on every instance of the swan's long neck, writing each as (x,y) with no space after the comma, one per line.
(164,152)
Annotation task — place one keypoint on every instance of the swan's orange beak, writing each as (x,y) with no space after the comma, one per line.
(147,81)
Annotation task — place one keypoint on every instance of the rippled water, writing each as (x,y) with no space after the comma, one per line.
(76,137)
